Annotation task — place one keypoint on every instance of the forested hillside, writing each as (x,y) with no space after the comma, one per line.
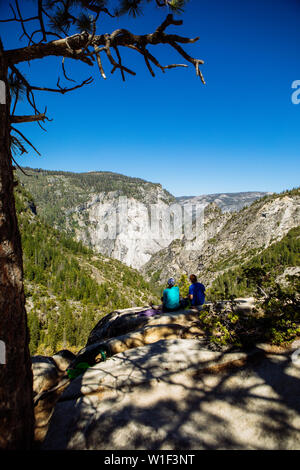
(58,192)
(262,270)
(68,287)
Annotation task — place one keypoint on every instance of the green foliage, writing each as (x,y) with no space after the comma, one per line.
(284,300)
(280,309)
(156,275)
(276,321)
(177,5)
(135,7)
(183,285)
(260,271)
(282,312)
(34,328)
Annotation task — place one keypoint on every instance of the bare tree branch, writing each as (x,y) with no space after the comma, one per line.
(120,62)
(29,93)
(63,90)
(99,62)
(26,140)
(8,20)
(40,15)
(59,48)
(21,169)
(65,73)
(37,117)
(22,21)
(17,144)
(112,60)
(76,47)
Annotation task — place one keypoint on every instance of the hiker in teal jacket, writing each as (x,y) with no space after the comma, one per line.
(171,297)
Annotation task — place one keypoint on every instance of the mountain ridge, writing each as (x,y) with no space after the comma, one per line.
(228,202)
(86,205)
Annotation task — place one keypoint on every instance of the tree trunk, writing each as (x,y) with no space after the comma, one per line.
(16,403)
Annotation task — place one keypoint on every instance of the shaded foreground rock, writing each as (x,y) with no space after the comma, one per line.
(115,333)
(47,374)
(176,394)
(163,385)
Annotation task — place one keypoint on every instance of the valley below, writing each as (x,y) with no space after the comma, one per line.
(144,227)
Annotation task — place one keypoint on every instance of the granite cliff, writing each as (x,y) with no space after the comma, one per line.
(125,218)
(228,239)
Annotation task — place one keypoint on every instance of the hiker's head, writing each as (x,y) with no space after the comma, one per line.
(193,278)
(171,282)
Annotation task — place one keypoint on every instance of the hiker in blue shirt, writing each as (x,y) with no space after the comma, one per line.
(171,298)
(196,292)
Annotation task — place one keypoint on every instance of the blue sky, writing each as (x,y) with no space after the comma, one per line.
(239,132)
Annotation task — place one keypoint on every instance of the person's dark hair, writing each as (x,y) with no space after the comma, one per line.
(193,278)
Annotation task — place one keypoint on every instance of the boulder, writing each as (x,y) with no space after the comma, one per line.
(124,330)
(244,306)
(176,394)
(45,373)
(63,359)
(45,376)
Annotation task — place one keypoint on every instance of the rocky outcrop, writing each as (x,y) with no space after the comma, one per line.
(174,394)
(149,380)
(120,227)
(228,239)
(130,328)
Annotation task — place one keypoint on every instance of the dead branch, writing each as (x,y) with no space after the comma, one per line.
(148,56)
(29,93)
(99,62)
(15,18)
(16,142)
(88,47)
(120,62)
(64,71)
(63,90)
(37,117)
(41,20)
(26,140)
(77,47)
(112,60)
(21,21)
(19,166)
